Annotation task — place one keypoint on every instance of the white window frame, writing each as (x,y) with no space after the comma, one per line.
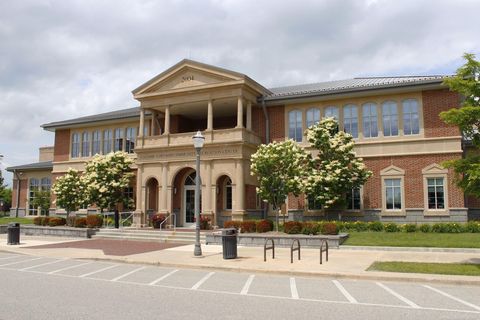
(347,119)
(313,116)
(368,117)
(361,201)
(99,136)
(387,118)
(404,102)
(295,112)
(333,112)
(75,145)
(225,187)
(85,145)
(393,172)
(435,171)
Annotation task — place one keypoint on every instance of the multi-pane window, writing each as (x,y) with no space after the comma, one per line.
(393,194)
(411,123)
(350,120)
(354,199)
(228,194)
(96,142)
(33,189)
(45,184)
(390,118)
(369,113)
(85,144)
(130,140)
(313,116)
(118,144)
(436,195)
(295,125)
(128,198)
(332,112)
(313,203)
(107,141)
(75,145)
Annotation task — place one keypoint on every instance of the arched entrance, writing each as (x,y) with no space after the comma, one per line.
(189,200)
(224,201)
(152,196)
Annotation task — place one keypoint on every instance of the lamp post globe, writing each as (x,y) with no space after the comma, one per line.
(198,141)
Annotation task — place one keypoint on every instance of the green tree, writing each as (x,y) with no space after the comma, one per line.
(335,170)
(280,170)
(70,191)
(42,200)
(467,83)
(2,186)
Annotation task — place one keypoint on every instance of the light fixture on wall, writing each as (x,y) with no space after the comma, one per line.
(174,190)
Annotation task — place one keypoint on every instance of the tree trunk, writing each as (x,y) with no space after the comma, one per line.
(117,218)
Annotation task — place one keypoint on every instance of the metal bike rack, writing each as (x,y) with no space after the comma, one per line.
(265,248)
(294,249)
(322,250)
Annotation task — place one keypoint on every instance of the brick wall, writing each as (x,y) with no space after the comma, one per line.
(472,202)
(296,203)
(258,122)
(23,193)
(434,102)
(251,197)
(414,188)
(276,116)
(62,145)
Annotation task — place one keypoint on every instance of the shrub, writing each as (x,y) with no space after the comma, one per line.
(392,227)
(447,228)
(80,222)
(375,226)
(425,228)
(472,227)
(409,227)
(341,226)
(312,228)
(205,223)
(264,225)
(330,228)
(56,221)
(71,220)
(232,224)
(360,226)
(293,227)
(249,226)
(156,220)
(94,221)
(37,221)
(45,221)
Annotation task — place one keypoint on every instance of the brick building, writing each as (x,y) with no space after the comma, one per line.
(394,121)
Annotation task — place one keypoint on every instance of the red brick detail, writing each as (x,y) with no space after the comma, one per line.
(276,117)
(258,122)
(434,102)
(296,203)
(472,202)
(61,151)
(251,197)
(23,193)
(414,186)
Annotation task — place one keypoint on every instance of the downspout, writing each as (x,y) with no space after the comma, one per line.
(18,192)
(267,140)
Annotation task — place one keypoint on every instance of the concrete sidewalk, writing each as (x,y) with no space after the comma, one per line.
(344,263)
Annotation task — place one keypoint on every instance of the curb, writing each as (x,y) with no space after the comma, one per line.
(410,249)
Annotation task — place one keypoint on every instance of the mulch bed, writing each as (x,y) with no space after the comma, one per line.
(112,247)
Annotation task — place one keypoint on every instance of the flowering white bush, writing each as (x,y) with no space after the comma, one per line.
(335,170)
(70,191)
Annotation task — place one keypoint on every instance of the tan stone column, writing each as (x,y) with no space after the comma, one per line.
(154,123)
(163,196)
(240,112)
(167,120)
(207,203)
(140,197)
(142,123)
(239,191)
(210,115)
(249,115)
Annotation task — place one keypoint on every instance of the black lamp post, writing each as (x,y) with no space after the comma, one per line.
(198,140)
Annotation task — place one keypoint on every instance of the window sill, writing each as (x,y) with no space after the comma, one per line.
(436,213)
(399,213)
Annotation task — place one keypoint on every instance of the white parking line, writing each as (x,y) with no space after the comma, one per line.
(10,257)
(97,271)
(199,283)
(9,264)
(402,298)
(42,264)
(154,282)
(293,288)
(344,291)
(127,274)
(71,267)
(471,305)
(247,284)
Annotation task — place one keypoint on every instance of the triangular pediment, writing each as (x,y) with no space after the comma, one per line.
(187,74)
(392,171)
(434,169)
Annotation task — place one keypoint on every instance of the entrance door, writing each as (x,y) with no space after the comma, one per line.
(189,206)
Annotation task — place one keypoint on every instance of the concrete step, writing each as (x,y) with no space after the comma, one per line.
(149,235)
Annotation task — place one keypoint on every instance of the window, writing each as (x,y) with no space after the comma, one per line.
(354,199)
(332,112)
(313,204)
(96,143)
(118,144)
(130,140)
(350,120)
(85,144)
(45,184)
(295,125)
(393,194)
(436,195)
(390,118)
(228,194)
(33,188)
(128,198)
(370,128)
(75,145)
(410,117)
(107,141)
(313,117)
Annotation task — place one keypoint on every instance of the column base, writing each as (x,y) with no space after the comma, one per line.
(138,219)
(239,215)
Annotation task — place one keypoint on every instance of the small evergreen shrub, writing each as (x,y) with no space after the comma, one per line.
(360,226)
(447,228)
(56,221)
(80,222)
(264,225)
(311,228)
(409,227)
(329,228)
(375,226)
(94,221)
(37,221)
(425,228)
(249,226)
(472,227)
(293,227)
(392,227)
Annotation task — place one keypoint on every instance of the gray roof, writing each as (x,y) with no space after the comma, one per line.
(32,166)
(350,85)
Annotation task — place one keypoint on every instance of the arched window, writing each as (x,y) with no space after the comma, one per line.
(190,180)
(75,145)
(332,112)
(85,144)
(390,118)
(118,145)
(410,117)
(228,194)
(295,125)
(313,116)
(350,120)
(34,186)
(96,142)
(369,114)
(107,141)
(130,140)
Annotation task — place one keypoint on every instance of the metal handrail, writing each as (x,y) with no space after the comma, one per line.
(323,242)
(123,221)
(294,249)
(265,248)
(174,221)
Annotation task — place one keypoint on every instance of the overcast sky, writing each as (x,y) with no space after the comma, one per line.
(63,59)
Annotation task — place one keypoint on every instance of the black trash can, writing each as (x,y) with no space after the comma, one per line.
(13,231)
(229,243)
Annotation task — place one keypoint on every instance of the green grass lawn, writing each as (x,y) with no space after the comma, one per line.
(431,268)
(7,220)
(416,239)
